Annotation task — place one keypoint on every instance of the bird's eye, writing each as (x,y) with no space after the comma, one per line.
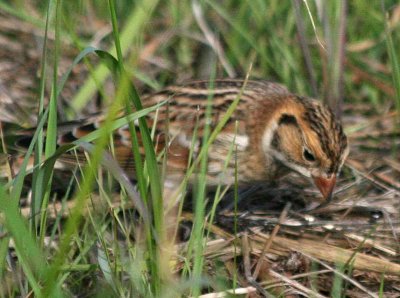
(308,155)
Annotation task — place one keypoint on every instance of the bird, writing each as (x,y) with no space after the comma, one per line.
(270,133)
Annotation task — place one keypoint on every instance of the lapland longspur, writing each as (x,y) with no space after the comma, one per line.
(273,132)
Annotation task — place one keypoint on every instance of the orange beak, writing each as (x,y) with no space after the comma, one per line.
(325,186)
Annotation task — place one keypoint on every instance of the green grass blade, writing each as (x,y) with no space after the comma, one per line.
(137,19)
(200,191)
(30,257)
(51,131)
(150,165)
(37,191)
(393,58)
(19,180)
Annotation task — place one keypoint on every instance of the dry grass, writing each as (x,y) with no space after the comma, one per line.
(280,248)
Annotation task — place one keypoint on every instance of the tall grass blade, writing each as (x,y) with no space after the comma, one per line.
(19,179)
(393,58)
(137,19)
(200,194)
(89,174)
(305,48)
(334,18)
(37,191)
(155,239)
(29,255)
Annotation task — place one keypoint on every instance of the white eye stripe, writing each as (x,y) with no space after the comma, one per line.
(268,135)
(266,144)
(302,170)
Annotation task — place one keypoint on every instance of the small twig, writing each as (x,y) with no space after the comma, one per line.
(394,233)
(361,287)
(295,284)
(247,266)
(307,274)
(246,256)
(313,26)
(268,243)
(354,166)
(371,243)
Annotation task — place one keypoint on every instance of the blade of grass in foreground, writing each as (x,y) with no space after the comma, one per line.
(155,238)
(51,132)
(200,191)
(37,190)
(29,255)
(19,180)
(52,284)
(196,243)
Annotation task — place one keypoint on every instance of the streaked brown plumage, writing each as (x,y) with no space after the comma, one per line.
(274,132)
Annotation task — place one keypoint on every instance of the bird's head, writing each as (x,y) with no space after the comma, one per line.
(305,137)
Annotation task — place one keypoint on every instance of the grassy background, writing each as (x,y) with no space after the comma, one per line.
(300,44)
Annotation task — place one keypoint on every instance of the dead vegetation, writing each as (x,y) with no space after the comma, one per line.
(278,242)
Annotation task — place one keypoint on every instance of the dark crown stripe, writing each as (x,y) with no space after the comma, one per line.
(287,119)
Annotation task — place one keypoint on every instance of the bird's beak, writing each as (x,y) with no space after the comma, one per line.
(325,186)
